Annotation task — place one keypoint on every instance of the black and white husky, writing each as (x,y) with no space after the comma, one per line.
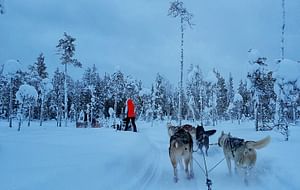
(202,138)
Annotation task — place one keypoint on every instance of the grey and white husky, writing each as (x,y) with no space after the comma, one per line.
(243,153)
(181,149)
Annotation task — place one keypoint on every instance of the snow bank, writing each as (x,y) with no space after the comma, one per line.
(58,158)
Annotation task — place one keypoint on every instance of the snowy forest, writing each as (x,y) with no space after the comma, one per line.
(219,76)
(268,94)
(264,94)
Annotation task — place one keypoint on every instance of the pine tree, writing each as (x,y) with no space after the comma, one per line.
(221,95)
(263,87)
(159,98)
(57,95)
(230,89)
(66,48)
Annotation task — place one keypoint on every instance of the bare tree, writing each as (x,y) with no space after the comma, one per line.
(282,29)
(66,49)
(178,10)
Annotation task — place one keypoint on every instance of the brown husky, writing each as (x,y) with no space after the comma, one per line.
(181,148)
(242,152)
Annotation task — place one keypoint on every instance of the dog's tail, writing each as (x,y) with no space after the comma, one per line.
(259,144)
(210,132)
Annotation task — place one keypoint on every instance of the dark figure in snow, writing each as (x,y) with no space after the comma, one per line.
(130,115)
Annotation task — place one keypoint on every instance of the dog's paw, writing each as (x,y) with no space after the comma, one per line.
(175,179)
(191,176)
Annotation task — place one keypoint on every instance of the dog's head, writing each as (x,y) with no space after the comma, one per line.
(222,138)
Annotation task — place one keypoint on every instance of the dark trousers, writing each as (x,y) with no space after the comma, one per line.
(132,119)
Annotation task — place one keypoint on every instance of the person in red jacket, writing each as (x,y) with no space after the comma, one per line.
(130,115)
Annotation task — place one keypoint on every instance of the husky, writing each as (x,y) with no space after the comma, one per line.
(173,129)
(202,138)
(181,149)
(242,152)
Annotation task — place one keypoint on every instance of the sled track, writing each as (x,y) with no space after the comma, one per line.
(151,172)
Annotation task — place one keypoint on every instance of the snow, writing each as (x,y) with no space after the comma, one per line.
(11,66)
(287,70)
(26,92)
(60,158)
(238,97)
(145,92)
(211,77)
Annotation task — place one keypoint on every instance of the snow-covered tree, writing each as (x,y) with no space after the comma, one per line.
(221,95)
(57,96)
(117,90)
(235,107)
(12,68)
(159,97)
(27,97)
(211,111)
(45,88)
(262,80)
(230,88)
(247,104)
(66,49)
(287,89)
(177,9)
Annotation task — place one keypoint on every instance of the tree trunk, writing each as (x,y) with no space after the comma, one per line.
(181,74)
(42,109)
(10,110)
(66,96)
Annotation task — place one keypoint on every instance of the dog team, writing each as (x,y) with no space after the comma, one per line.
(241,152)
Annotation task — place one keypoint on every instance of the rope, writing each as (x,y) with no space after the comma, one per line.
(208,181)
(205,171)
(216,165)
(199,165)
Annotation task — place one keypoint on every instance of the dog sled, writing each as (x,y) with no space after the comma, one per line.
(122,125)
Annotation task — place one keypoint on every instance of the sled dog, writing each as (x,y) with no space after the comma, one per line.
(173,129)
(181,148)
(243,153)
(202,138)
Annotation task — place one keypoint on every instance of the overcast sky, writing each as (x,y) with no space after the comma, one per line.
(138,37)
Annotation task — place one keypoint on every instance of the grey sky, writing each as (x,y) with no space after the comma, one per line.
(138,37)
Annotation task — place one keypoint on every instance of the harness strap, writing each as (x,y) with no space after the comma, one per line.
(231,147)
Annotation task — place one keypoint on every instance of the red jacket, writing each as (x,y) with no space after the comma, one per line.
(130,108)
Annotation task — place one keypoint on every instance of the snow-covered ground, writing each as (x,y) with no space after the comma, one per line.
(53,158)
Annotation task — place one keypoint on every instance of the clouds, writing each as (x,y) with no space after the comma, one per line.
(139,37)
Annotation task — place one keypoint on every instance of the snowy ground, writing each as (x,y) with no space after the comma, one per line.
(52,158)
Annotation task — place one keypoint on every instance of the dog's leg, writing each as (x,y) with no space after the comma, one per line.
(174,164)
(191,167)
(186,165)
(206,149)
(228,164)
(180,162)
(247,174)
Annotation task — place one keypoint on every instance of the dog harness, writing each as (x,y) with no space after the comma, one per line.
(235,143)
